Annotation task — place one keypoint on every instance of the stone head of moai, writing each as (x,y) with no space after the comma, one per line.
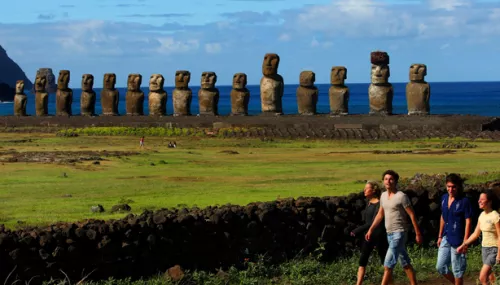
(240,81)
(380,67)
(109,81)
(63,79)
(270,64)
(338,75)
(208,80)
(20,87)
(87,82)
(40,82)
(134,82)
(182,78)
(307,78)
(418,72)
(156,82)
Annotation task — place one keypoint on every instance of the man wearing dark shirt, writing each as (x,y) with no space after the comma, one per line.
(454,229)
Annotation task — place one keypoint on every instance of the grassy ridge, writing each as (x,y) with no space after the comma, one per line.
(209,171)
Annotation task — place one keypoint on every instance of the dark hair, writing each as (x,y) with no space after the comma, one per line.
(492,197)
(457,181)
(392,173)
(376,187)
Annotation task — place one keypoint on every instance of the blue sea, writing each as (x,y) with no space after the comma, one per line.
(473,98)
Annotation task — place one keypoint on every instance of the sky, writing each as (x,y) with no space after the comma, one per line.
(458,40)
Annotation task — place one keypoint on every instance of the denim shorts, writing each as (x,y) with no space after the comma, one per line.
(448,255)
(489,255)
(397,248)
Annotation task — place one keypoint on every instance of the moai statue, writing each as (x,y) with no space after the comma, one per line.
(157,97)
(208,95)
(307,93)
(64,95)
(134,97)
(20,99)
(109,96)
(88,97)
(271,85)
(182,94)
(41,95)
(338,92)
(418,92)
(380,91)
(240,96)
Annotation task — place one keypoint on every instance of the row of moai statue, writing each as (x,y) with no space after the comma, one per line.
(380,92)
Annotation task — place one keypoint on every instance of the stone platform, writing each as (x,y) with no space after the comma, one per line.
(353,122)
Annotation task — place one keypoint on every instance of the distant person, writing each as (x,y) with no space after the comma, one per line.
(489,225)
(454,229)
(395,207)
(378,239)
(141,142)
(175,144)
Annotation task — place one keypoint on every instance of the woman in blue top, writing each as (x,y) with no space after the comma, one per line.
(454,229)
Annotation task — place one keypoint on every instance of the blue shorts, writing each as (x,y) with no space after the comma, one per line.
(397,248)
(448,255)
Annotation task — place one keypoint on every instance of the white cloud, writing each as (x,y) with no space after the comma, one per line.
(448,5)
(213,48)
(285,37)
(169,45)
(444,46)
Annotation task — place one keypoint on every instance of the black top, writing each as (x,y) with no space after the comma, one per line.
(371,212)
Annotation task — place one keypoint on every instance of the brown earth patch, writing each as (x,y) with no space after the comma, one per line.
(185,178)
(61,157)
(402,151)
(136,177)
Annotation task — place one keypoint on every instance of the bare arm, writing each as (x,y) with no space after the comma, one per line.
(441,229)
(376,222)
(467,229)
(474,236)
(497,226)
(411,213)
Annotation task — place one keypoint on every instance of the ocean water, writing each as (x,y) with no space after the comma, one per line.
(473,98)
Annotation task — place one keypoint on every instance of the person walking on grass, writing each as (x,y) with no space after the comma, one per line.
(489,225)
(378,240)
(395,207)
(454,229)
(141,142)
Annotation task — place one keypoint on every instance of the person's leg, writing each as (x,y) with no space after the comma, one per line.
(366,250)
(391,258)
(484,274)
(458,265)
(405,259)
(444,260)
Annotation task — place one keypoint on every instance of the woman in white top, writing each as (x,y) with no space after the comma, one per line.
(489,225)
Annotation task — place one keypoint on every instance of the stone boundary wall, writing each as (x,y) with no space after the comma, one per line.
(359,122)
(210,238)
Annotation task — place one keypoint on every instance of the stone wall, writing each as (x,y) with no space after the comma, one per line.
(209,238)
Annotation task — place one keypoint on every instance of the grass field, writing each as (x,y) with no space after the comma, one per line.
(207,171)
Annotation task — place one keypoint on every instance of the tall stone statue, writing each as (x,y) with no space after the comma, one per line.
(338,92)
(109,96)
(134,96)
(20,99)
(240,96)
(64,95)
(157,98)
(380,91)
(50,81)
(208,95)
(418,92)
(41,95)
(307,93)
(182,94)
(271,85)
(88,97)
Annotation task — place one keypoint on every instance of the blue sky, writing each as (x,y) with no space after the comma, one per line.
(459,40)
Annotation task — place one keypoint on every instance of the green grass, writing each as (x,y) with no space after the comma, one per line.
(311,271)
(200,173)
